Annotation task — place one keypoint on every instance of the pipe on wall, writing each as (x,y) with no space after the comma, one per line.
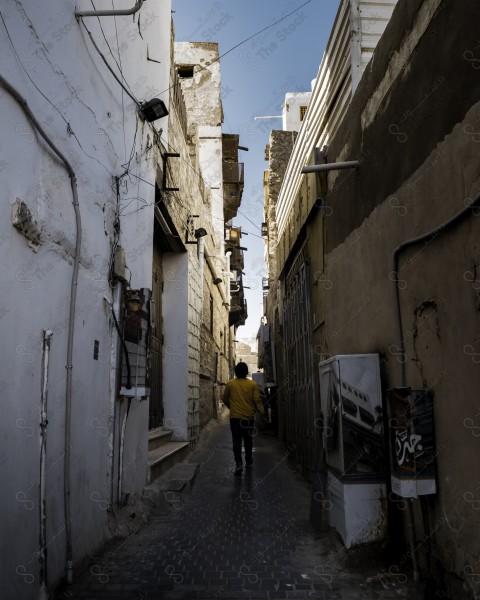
(214,272)
(352,164)
(114,378)
(71,316)
(109,13)
(42,552)
(427,238)
(122,451)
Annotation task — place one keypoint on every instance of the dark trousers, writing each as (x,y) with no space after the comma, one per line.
(242,430)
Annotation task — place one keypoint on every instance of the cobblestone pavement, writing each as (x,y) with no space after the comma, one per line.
(234,537)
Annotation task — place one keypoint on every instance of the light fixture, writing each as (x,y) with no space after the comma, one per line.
(153,109)
(217,280)
(200,232)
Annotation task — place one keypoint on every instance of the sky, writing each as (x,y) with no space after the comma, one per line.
(256,75)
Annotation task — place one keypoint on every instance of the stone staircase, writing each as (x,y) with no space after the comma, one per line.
(163,453)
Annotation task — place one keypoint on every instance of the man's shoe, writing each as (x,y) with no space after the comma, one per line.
(238,469)
(248,464)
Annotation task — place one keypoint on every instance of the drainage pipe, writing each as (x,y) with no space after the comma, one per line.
(42,553)
(214,272)
(121,452)
(426,239)
(114,370)
(71,317)
(109,13)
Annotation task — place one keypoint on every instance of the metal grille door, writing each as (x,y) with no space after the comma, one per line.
(299,392)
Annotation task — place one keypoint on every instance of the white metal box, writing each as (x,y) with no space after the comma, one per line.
(354,446)
(357,510)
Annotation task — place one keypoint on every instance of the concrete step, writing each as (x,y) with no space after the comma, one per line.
(163,458)
(157,438)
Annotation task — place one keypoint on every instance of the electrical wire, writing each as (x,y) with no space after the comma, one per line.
(125,349)
(126,166)
(202,210)
(107,64)
(119,65)
(246,40)
(110,49)
(123,97)
(262,30)
(199,175)
(69,127)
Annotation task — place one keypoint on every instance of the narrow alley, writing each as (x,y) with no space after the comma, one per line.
(230,537)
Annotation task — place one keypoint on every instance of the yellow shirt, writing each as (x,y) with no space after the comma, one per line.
(242,396)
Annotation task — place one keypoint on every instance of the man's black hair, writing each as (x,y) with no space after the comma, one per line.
(241,370)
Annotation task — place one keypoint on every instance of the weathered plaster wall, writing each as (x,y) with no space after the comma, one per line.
(203,109)
(413,123)
(440,304)
(202,94)
(93,123)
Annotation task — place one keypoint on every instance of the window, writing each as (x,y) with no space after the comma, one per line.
(303,110)
(185,71)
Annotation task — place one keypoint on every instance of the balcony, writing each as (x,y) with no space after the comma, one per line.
(238,312)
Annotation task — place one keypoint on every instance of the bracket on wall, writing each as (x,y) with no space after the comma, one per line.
(165,157)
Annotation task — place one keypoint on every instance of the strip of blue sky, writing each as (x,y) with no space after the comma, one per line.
(255,78)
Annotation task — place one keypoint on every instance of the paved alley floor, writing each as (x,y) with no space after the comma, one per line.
(233,537)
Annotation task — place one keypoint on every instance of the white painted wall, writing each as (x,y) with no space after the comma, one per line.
(56,61)
(210,160)
(291,120)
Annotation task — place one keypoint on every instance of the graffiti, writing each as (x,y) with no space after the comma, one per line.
(407,445)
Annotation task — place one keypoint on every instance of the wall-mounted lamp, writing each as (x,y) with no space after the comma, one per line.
(217,280)
(153,109)
(200,232)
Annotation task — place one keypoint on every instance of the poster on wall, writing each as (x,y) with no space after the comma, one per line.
(412,442)
(352,413)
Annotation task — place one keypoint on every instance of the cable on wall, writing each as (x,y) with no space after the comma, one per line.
(69,127)
(107,64)
(71,318)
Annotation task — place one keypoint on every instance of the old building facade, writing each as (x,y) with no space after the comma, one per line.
(117,283)
(379,257)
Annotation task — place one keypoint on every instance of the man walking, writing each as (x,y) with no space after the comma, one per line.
(242,397)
